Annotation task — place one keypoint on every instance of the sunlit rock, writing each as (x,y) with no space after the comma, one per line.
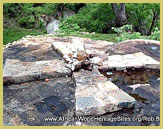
(148,47)
(16,71)
(96,96)
(72,51)
(42,66)
(97,47)
(53,26)
(129,61)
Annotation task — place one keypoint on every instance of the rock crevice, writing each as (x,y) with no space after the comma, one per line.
(82,63)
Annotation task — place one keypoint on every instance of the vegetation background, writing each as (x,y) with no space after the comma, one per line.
(111,22)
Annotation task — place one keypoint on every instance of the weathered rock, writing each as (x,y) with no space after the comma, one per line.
(147,97)
(16,71)
(95,95)
(97,47)
(52,21)
(30,103)
(53,26)
(69,49)
(72,51)
(148,47)
(77,50)
(96,60)
(129,61)
(32,48)
(65,13)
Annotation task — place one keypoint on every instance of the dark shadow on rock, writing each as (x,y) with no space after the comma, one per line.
(30,53)
(147,96)
(34,101)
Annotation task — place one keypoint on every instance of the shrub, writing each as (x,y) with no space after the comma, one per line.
(155,35)
(123,29)
(140,15)
(93,18)
(27,21)
(125,33)
(127,36)
(68,27)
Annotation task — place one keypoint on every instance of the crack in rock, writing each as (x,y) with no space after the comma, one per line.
(73,71)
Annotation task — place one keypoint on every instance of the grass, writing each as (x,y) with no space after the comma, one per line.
(106,37)
(10,35)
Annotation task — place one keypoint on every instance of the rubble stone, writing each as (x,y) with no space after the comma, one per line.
(46,86)
(72,51)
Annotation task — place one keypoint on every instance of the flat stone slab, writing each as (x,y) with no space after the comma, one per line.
(16,71)
(70,48)
(122,62)
(96,96)
(30,103)
(148,47)
(77,51)
(97,47)
(72,51)
(31,48)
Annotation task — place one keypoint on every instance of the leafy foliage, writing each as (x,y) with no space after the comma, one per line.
(12,10)
(92,18)
(143,19)
(67,26)
(31,13)
(28,14)
(125,28)
(141,15)
(125,34)
(27,21)
(155,35)
(100,17)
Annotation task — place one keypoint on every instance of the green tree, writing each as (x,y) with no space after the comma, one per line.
(143,17)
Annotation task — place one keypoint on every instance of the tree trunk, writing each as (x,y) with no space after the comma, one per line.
(155,15)
(120,14)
